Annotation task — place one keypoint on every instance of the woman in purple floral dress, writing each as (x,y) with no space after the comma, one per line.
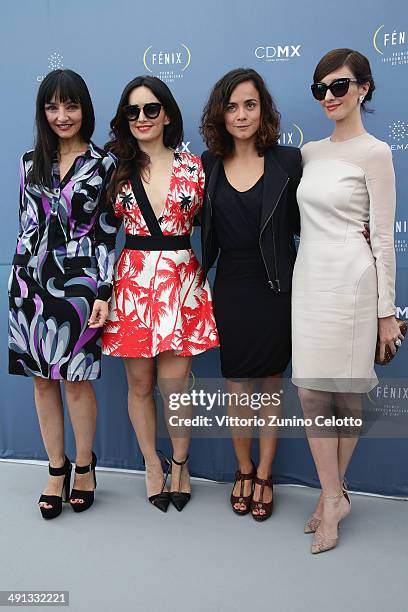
(61,279)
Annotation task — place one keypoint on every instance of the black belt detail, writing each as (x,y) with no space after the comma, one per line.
(157,243)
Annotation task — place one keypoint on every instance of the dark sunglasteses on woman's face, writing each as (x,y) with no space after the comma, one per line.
(338,87)
(146,115)
(339,93)
(150,110)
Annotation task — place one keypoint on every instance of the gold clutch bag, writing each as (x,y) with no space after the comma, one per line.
(388,356)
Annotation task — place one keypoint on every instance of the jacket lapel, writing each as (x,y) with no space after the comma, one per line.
(212,181)
(275,179)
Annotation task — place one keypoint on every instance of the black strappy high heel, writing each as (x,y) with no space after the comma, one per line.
(87,496)
(180,498)
(55,501)
(161,500)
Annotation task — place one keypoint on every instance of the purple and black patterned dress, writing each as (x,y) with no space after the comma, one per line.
(63,261)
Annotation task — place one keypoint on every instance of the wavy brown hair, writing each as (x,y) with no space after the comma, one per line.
(212,127)
(125,146)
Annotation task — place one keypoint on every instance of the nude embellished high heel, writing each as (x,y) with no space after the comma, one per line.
(313,522)
(321,542)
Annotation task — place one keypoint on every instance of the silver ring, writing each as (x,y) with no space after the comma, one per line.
(398,342)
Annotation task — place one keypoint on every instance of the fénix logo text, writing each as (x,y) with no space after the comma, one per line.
(277,53)
(293,137)
(401,226)
(391,44)
(401,236)
(391,392)
(383,40)
(167,64)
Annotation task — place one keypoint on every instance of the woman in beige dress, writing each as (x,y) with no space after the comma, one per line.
(343,288)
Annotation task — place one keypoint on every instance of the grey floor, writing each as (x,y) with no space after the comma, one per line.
(126,555)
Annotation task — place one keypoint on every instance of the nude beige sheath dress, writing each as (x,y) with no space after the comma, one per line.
(341,285)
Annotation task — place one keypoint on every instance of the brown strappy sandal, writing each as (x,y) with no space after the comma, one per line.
(261,505)
(243,499)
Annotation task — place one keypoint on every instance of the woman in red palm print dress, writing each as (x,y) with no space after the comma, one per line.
(159,302)
(160,306)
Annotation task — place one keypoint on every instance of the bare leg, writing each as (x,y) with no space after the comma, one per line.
(81,402)
(347,404)
(142,412)
(172,377)
(325,455)
(48,401)
(241,440)
(267,442)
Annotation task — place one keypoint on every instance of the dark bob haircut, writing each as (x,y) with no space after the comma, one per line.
(122,142)
(354,61)
(65,85)
(212,127)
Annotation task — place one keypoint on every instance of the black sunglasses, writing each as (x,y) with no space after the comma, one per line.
(339,88)
(150,110)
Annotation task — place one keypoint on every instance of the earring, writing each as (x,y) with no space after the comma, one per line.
(361,98)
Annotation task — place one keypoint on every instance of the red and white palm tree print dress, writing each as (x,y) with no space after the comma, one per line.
(159,302)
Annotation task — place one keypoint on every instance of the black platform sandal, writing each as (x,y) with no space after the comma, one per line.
(55,501)
(180,498)
(87,496)
(161,500)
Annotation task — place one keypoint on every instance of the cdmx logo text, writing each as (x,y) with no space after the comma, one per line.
(402,312)
(271,53)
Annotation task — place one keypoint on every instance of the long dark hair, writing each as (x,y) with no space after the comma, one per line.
(212,127)
(355,61)
(64,85)
(122,142)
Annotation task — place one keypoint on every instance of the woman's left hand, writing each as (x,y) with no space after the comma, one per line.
(366,233)
(99,314)
(388,333)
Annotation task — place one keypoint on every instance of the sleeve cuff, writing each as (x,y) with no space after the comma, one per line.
(104,293)
(387,313)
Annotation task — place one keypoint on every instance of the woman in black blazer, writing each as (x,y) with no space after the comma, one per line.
(249,219)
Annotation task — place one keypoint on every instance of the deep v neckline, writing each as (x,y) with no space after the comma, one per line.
(167,195)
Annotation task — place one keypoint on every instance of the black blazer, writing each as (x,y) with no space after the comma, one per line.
(280,218)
